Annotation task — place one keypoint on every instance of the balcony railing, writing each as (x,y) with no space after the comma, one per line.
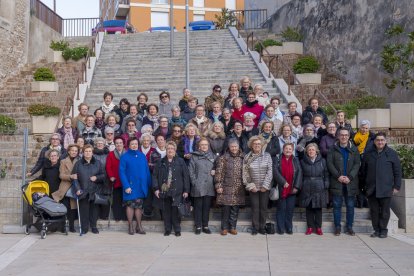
(46,15)
(122,8)
(79,26)
(250,19)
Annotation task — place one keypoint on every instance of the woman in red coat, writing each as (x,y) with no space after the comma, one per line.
(252,105)
(112,170)
(237,111)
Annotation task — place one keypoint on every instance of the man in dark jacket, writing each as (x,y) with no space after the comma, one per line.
(382,174)
(311,111)
(343,164)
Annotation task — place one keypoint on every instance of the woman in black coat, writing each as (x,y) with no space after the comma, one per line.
(89,175)
(287,173)
(314,193)
(171,183)
(270,139)
(50,170)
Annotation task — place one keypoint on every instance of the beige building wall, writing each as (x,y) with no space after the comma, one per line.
(140,11)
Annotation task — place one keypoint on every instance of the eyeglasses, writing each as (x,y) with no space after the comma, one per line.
(177,130)
(217,90)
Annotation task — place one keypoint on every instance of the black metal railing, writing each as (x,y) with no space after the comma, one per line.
(249,19)
(46,15)
(79,26)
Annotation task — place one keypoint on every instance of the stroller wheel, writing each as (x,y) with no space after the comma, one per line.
(27,230)
(43,234)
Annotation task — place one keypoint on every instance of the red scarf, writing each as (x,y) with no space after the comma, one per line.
(287,173)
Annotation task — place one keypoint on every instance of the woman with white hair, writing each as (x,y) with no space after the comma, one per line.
(216,138)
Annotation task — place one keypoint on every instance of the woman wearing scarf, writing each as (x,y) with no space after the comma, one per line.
(99,120)
(253,106)
(163,127)
(270,140)
(130,132)
(67,132)
(145,147)
(269,116)
(237,111)
(328,140)
(152,117)
(249,128)
(100,152)
(215,115)
(237,134)
(66,177)
(287,173)
(259,90)
(112,170)
(136,183)
(183,103)
(111,121)
(308,137)
(246,86)
(142,107)
(287,137)
(108,106)
(257,179)
(201,121)
(233,93)
(79,121)
(176,118)
(201,169)
(159,152)
(191,138)
(227,121)
(177,138)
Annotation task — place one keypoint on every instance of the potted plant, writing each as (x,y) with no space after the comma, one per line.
(373,108)
(7,125)
(76,53)
(57,48)
(403,202)
(44,118)
(306,69)
(292,41)
(44,81)
(273,47)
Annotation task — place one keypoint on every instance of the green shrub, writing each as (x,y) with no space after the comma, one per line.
(67,54)
(266,43)
(43,110)
(406,154)
(350,109)
(306,64)
(79,52)
(292,35)
(59,45)
(369,102)
(44,74)
(7,125)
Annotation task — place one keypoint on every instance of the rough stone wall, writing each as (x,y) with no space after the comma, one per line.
(270,5)
(14,26)
(348,35)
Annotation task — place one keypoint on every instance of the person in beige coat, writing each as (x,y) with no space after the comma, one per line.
(65,174)
(257,179)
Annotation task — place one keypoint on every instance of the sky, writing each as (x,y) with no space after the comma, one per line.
(75,8)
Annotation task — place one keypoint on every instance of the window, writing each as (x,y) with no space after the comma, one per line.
(159,1)
(160,19)
(199,3)
(231,4)
(198,17)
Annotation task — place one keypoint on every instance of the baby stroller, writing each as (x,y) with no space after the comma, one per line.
(43,208)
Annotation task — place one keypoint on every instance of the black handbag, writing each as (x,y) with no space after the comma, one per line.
(270,228)
(101,199)
(185,208)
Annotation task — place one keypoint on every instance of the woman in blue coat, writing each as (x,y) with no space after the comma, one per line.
(136,182)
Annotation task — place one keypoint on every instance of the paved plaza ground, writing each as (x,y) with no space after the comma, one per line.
(117,253)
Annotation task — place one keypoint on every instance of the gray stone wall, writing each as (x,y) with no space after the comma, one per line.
(14,28)
(271,5)
(348,35)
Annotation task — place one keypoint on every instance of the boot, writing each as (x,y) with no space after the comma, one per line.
(131,229)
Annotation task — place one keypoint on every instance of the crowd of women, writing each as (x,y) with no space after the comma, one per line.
(229,151)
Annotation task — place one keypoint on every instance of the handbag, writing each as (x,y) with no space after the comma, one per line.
(71,192)
(270,228)
(274,193)
(101,199)
(185,208)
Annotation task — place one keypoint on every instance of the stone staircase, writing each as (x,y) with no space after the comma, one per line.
(141,62)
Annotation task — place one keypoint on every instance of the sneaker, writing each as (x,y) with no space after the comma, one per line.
(350,232)
(233,231)
(95,230)
(319,231)
(309,231)
(374,235)
(223,232)
(197,231)
(337,231)
(206,230)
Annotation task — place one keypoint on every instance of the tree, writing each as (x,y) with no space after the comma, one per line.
(397,59)
(225,19)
